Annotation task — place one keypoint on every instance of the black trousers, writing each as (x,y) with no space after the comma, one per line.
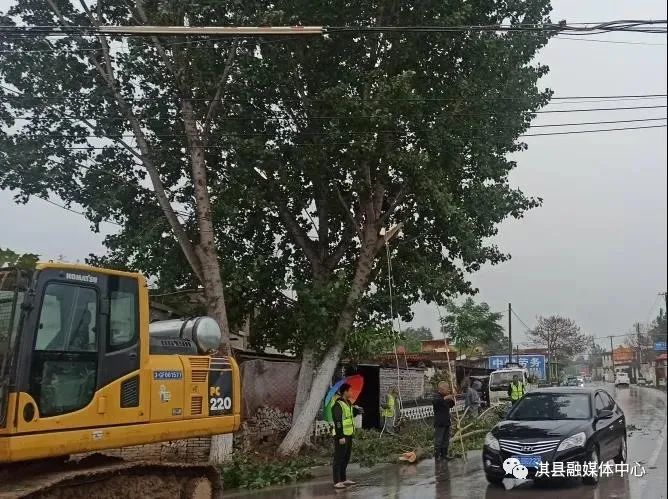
(341,459)
(441,441)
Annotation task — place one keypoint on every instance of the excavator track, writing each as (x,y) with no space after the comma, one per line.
(103,477)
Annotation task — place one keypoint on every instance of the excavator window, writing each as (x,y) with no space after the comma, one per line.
(64,365)
(123,319)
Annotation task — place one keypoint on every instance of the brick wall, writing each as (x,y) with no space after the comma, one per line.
(192,450)
(411,382)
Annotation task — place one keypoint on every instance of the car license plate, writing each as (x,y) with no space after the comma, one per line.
(529,461)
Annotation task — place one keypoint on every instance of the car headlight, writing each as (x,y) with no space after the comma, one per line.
(577,440)
(491,442)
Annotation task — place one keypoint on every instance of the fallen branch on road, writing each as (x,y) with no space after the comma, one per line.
(469,434)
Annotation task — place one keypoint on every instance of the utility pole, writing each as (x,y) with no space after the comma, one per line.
(639,347)
(612,357)
(510,333)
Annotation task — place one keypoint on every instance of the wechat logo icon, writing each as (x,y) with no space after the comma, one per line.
(512,466)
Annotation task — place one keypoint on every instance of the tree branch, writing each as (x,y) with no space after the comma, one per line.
(215,103)
(377,199)
(335,256)
(394,202)
(151,169)
(158,45)
(300,237)
(351,217)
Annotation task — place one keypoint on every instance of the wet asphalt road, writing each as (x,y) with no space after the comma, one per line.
(645,410)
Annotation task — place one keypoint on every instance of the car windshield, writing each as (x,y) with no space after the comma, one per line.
(539,406)
(503,379)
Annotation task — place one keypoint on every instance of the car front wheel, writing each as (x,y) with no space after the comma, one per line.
(623,452)
(592,479)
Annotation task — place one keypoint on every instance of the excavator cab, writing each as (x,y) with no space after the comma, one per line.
(83,370)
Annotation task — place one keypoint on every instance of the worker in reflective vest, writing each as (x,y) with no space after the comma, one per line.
(389,411)
(516,389)
(343,414)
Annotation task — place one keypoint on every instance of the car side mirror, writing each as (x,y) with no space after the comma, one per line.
(604,414)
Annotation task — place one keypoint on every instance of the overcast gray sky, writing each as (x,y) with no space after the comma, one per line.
(595,251)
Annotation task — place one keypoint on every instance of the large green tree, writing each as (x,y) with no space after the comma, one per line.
(367,131)
(11,258)
(129,129)
(658,328)
(295,162)
(412,338)
(474,328)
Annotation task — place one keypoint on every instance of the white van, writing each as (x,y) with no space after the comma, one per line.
(500,380)
(621,378)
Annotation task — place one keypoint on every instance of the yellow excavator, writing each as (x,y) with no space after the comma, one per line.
(82,369)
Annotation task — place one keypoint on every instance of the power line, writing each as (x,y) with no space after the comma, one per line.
(520,319)
(194,44)
(626,335)
(592,131)
(637,26)
(649,313)
(577,98)
(354,143)
(165,44)
(620,42)
(597,122)
(354,117)
(362,132)
(74,211)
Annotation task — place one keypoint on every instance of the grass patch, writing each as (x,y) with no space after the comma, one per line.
(263,469)
(370,449)
(254,472)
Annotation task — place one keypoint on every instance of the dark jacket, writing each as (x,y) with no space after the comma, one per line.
(441,410)
(337,417)
(472,398)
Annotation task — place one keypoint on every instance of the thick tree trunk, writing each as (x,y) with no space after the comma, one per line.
(306,375)
(221,448)
(212,281)
(301,426)
(214,293)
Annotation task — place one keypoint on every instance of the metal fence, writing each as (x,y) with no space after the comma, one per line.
(324,428)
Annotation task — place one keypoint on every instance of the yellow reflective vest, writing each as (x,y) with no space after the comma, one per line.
(516,391)
(347,419)
(388,411)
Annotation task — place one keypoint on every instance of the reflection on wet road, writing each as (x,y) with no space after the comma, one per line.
(645,411)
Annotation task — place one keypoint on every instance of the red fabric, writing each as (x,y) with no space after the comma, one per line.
(356,383)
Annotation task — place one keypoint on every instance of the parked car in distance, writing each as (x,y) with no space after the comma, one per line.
(622,379)
(574,381)
(557,424)
(641,381)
